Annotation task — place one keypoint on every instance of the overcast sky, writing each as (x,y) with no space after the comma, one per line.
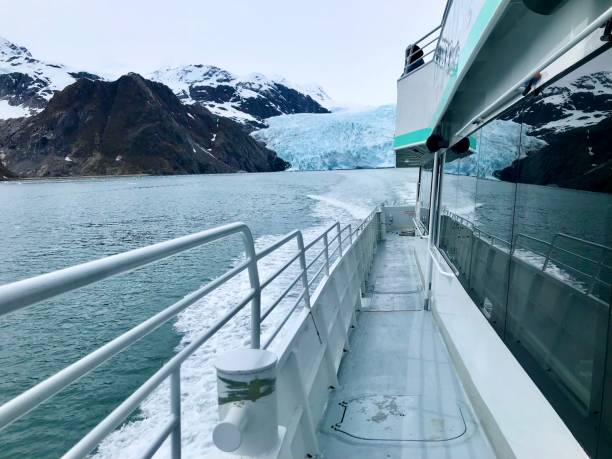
(353,48)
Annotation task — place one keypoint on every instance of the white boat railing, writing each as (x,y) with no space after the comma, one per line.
(421,51)
(335,242)
(592,271)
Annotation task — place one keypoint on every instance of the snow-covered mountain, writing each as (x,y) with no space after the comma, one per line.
(247,99)
(564,137)
(128,126)
(27,84)
(582,102)
(346,139)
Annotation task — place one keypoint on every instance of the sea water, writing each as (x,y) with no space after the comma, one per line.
(47,225)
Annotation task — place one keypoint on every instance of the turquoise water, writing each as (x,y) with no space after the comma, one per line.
(48,225)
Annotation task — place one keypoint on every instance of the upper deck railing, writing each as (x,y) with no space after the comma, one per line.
(421,51)
(589,268)
(331,245)
(582,259)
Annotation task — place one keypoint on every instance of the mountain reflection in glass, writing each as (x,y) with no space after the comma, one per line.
(526,219)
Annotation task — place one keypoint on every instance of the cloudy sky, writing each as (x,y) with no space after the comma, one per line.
(353,48)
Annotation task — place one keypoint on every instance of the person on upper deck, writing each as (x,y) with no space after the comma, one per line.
(414,58)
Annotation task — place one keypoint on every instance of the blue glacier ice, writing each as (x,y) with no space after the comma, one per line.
(497,145)
(344,139)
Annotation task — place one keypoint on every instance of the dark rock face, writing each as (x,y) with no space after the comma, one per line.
(5,174)
(580,158)
(574,123)
(22,89)
(278,101)
(129,126)
(79,75)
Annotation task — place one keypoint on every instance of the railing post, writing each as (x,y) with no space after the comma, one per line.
(596,274)
(300,241)
(350,234)
(549,253)
(430,243)
(326,242)
(339,239)
(175,408)
(254,281)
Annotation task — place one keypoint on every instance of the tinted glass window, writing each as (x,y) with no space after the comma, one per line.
(561,272)
(493,219)
(425,194)
(457,209)
(526,219)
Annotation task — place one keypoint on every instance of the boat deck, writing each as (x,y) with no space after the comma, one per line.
(399,395)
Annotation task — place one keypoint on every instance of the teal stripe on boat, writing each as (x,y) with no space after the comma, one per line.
(482,20)
(411,138)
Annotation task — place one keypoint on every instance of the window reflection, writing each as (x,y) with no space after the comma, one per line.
(526,219)
(425,194)
(561,272)
(457,204)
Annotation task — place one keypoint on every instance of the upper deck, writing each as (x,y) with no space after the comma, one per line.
(490,54)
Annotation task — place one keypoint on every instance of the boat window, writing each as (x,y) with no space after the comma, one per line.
(425,194)
(526,219)
(493,218)
(561,272)
(457,205)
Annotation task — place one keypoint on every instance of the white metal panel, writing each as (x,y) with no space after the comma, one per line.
(519,421)
(416,100)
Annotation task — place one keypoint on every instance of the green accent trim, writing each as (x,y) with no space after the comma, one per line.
(411,138)
(482,21)
(473,142)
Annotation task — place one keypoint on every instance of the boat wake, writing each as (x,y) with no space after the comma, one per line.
(198,379)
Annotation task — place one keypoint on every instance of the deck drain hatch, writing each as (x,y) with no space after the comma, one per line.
(397,418)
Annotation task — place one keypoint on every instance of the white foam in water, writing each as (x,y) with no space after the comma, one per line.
(345,203)
(355,210)
(198,381)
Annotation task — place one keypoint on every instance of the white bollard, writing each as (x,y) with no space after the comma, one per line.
(246,388)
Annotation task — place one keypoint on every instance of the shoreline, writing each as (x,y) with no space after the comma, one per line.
(89,177)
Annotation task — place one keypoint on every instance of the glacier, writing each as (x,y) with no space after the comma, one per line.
(496,149)
(343,139)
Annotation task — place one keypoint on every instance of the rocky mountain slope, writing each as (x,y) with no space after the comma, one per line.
(246,99)
(27,84)
(128,126)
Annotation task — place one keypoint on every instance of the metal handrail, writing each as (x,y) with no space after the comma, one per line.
(24,293)
(20,294)
(439,267)
(419,228)
(422,49)
(428,34)
(551,248)
(282,296)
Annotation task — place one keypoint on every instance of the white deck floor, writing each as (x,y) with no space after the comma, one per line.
(399,395)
